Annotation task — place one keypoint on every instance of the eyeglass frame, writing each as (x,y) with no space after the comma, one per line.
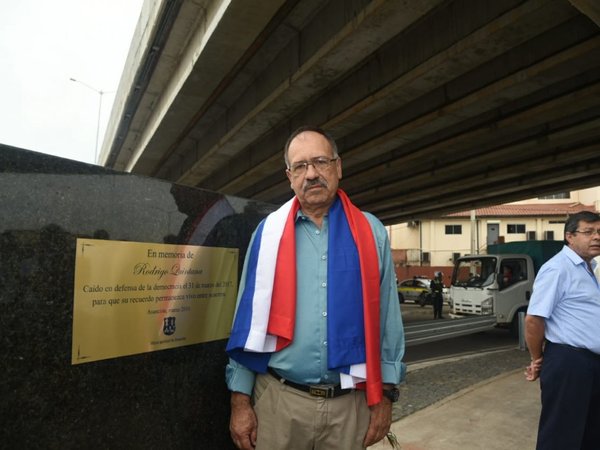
(587,233)
(312,162)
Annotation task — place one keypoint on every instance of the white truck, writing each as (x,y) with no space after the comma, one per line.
(499,283)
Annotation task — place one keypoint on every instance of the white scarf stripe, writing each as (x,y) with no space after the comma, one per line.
(358,374)
(258,340)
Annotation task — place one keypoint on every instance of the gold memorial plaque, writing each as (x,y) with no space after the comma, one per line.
(135,297)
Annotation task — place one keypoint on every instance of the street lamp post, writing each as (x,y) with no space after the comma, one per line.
(101,94)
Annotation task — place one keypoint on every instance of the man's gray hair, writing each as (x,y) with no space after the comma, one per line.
(302,129)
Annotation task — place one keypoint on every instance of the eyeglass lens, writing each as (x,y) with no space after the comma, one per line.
(589,232)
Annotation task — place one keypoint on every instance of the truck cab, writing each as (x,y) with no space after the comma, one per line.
(498,285)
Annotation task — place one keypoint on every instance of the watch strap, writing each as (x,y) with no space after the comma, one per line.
(391,394)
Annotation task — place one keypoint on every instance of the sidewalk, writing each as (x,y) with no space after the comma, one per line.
(498,413)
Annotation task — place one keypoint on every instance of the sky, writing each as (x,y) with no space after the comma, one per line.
(43,44)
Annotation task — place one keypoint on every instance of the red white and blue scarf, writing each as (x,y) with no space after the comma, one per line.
(265,317)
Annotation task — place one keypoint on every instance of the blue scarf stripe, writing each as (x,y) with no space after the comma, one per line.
(345,320)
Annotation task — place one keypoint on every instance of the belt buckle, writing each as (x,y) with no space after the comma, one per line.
(322,391)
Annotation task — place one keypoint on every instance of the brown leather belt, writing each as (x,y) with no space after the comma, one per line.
(319,390)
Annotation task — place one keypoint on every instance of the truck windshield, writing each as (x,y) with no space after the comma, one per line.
(474,272)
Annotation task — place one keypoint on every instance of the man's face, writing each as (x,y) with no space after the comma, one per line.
(314,187)
(585,246)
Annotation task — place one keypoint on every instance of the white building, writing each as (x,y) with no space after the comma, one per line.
(438,241)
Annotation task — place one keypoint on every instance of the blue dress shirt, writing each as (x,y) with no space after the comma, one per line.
(567,295)
(305,360)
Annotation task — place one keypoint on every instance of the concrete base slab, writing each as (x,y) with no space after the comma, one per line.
(498,413)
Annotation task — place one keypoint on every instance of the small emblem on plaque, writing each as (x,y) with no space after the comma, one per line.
(169,326)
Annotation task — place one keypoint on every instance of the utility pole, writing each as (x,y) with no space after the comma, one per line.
(100,94)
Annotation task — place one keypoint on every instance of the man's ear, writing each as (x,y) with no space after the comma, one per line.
(568,238)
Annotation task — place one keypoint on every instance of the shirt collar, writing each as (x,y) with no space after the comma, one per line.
(576,259)
(300,215)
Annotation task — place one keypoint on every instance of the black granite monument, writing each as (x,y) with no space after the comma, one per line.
(169,399)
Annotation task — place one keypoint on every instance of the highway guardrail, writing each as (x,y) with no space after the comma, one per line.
(436,330)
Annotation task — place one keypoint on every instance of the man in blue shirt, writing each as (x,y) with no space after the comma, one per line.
(299,403)
(563,336)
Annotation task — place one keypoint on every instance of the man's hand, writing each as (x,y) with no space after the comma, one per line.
(379,425)
(533,370)
(243,424)
(535,329)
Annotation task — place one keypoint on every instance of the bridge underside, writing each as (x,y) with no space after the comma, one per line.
(437,106)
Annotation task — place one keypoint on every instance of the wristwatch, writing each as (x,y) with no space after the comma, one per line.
(392,394)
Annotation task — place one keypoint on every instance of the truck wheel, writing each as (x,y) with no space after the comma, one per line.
(400,297)
(422,299)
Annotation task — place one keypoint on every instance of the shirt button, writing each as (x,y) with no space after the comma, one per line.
(325,343)
(324,313)
(324,257)
(318,232)
(326,376)
(323,284)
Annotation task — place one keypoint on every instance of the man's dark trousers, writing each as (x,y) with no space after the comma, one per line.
(570,383)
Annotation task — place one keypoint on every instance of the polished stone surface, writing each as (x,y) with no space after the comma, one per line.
(169,399)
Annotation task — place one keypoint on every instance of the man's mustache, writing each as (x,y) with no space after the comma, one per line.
(315,182)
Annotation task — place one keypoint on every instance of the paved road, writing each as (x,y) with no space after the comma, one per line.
(439,369)
(429,381)
(412,312)
(481,342)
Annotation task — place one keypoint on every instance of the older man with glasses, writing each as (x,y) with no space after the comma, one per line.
(317,340)
(562,330)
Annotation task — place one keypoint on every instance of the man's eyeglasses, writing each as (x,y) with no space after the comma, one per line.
(588,233)
(320,165)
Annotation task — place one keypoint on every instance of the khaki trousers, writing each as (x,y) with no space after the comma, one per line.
(289,419)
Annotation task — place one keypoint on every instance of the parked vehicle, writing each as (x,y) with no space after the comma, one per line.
(417,290)
(499,283)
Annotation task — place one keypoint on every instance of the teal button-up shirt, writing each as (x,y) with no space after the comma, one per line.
(305,360)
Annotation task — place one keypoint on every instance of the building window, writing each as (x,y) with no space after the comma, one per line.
(549,235)
(514,228)
(558,195)
(455,256)
(426,257)
(453,229)
(531,236)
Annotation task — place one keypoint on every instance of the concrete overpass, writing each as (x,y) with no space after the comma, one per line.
(437,105)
